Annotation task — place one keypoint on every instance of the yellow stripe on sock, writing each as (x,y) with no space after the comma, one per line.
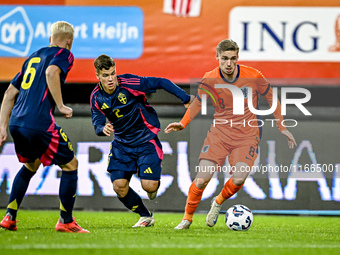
(13,205)
(62,207)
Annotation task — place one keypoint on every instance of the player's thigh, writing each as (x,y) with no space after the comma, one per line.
(206,169)
(70,166)
(120,175)
(28,144)
(150,185)
(240,173)
(121,163)
(150,156)
(121,186)
(60,150)
(214,150)
(246,152)
(33,166)
(50,147)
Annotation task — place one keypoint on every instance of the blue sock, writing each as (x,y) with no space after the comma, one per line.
(67,194)
(133,202)
(19,188)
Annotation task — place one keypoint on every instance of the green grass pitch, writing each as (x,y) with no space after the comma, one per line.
(111,233)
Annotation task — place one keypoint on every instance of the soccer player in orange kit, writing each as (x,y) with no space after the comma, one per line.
(236,138)
(336,46)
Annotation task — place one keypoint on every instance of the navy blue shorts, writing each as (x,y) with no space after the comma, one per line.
(145,160)
(52,147)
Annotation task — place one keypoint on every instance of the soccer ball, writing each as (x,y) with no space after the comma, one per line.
(239,218)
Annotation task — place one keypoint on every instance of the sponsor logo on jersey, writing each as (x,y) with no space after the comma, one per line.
(104,106)
(122,98)
(148,171)
(245,92)
(205,148)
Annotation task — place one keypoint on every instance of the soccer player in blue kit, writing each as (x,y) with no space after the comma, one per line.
(134,123)
(28,107)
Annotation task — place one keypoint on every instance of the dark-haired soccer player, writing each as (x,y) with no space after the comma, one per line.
(238,141)
(135,148)
(28,106)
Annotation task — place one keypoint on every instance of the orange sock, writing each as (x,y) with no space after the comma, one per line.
(228,190)
(193,199)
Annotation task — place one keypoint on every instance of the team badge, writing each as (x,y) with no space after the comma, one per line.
(245,91)
(122,98)
(205,148)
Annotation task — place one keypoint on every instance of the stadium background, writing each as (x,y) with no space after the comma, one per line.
(181,49)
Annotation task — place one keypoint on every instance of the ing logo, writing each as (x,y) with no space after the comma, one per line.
(16,32)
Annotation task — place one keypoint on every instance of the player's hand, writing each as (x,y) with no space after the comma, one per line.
(290,138)
(3,135)
(192,98)
(108,129)
(175,126)
(66,111)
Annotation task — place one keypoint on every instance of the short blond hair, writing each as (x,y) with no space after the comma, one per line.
(227,45)
(62,28)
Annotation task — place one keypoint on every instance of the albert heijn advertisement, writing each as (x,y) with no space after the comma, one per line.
(117,31)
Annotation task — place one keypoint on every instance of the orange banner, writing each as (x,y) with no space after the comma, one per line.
(180,48)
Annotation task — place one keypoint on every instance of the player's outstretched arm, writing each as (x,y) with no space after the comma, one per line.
(175,126)
(3,135)
(6,108)
(190,113)
(192,98)
(53,83)
(290,138)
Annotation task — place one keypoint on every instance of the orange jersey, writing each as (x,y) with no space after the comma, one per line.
(235,126)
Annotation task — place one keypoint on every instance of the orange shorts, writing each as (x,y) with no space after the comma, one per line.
(216,150)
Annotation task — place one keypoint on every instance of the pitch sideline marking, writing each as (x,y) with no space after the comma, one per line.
(165,246)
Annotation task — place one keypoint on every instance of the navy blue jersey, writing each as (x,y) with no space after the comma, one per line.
(133,119)
(35,106)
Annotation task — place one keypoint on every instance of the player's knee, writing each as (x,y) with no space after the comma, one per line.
(238,181)
(121,192)
(201,182)
(121,187)
(150,186)
(75,162)
(70,166)
(33,167)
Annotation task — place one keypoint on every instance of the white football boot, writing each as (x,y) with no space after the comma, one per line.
(145,222)
(185,224)
(213,214)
